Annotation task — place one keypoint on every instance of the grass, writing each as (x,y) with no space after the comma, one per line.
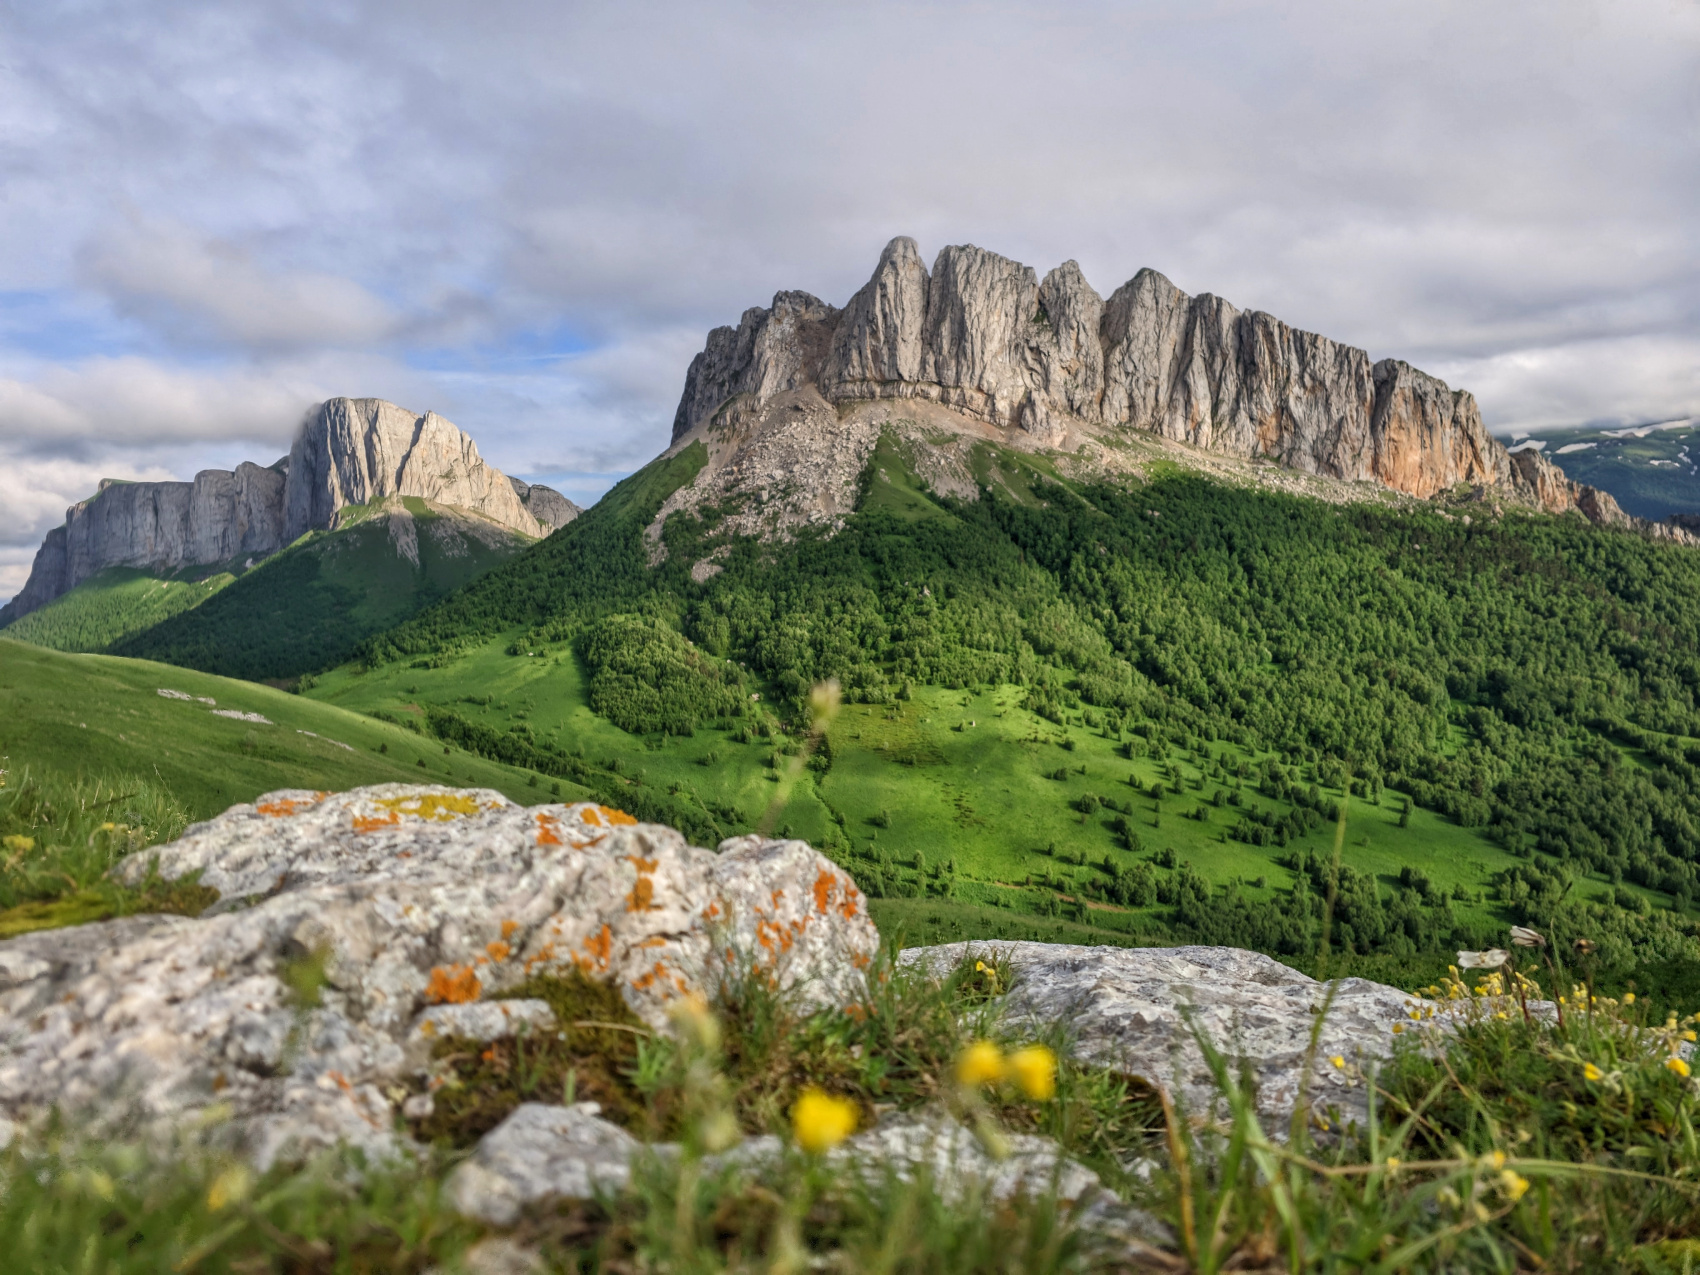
(113,603)
(953,776)
(308,606)
(96,715)
(1496,1143)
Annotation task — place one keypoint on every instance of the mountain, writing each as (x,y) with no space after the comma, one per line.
(350,452)
(792,401)
(310,605)
(1115,646)
(1650,470)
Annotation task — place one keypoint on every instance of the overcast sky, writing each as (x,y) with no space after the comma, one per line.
(525,216)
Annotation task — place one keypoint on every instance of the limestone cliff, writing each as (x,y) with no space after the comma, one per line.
(1053,365)
(349,452)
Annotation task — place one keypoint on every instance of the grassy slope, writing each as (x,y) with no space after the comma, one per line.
(1651,477)
(112,604)
(978,794)
(308,607)
(98,714)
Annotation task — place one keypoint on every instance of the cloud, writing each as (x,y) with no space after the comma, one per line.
(205,289)
(1631,381)
(249,207)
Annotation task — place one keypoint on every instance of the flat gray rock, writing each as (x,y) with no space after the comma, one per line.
(1128,1008)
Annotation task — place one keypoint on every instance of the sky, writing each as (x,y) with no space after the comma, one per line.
(526,215)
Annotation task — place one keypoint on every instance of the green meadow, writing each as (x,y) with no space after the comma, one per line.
(97,715)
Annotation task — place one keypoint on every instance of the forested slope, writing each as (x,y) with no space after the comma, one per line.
(1531,680)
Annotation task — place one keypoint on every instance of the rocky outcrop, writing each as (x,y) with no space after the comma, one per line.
(982,336)
(413,901)
(545,504)
(1137,1010)
(349,452)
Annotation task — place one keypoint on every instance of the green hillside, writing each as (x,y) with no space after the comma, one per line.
(1132,712)
(97,715)
(309,606)
(112,604)
(1652,471)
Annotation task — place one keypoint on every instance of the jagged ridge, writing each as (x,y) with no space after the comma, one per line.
(1052,361)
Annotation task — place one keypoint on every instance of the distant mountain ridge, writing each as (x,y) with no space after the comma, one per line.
(783,399)
(350,452)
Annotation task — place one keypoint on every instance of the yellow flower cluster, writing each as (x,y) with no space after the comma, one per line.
(1032,1069)
(821,1121)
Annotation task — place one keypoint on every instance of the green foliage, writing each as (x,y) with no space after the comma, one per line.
(111,605)
(647,679)
(309,606)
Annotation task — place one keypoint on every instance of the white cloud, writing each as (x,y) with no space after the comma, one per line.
(1624,381)
(205,289)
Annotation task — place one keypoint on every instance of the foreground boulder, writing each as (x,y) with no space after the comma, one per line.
(288,1013)
(1138,1009)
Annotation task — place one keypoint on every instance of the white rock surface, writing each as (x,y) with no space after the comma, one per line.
(542,1152)
(1128,1008)
(410,895)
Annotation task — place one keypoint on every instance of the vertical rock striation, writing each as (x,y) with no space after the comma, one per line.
(982,335)
(349,452)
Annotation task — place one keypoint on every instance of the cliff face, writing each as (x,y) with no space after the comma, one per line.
(985,337)
(349,452)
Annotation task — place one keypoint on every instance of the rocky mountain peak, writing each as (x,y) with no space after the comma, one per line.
(350,451)
(1049,364)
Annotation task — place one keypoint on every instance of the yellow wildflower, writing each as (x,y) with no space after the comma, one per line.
(1677,1065)
(1591,1072)
(229,1187)
(1338,1060)
(821,1121)
(1398,1027)
(1496,1159)
(1689,1034)
(1035,1070)
(1392,1163)
(980,1064)
(1513,1184)
(1629,998)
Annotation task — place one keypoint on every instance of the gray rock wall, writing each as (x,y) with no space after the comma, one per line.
(981,334)
(349,452)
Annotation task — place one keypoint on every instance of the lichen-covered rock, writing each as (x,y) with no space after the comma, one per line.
(395,898)
(1136,1009)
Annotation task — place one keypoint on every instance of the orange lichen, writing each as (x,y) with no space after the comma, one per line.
(642,897)
(363,823)
(509,929)
(453,985)
(861,960)
(499,951)
(548,831)
(601,946)
(286,806)
(825,886)
(616,818)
